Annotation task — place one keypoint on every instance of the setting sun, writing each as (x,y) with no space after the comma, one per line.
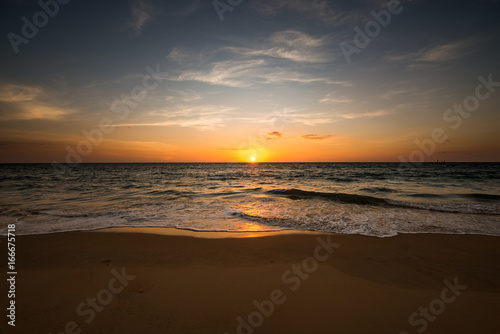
(253,159)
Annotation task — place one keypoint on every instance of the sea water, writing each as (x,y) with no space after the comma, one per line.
(376,199)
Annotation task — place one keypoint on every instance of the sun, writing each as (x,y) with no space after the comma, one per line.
(252,159)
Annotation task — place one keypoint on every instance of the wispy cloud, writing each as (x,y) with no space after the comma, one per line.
(290,45)
(332,98)
(341,83)
(434,55)
(369,114)
(276,134)
(182,96)
(40,111)
(178,55)
(316,9)
(444,52)
(206,117)
(398,92)
(247,74)
(310,118)
(18,93)
(315,137)
(288,56)
(142,12)
(226,73)
(408,93)
(29,102)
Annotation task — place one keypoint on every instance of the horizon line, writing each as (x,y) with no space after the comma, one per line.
(249,162)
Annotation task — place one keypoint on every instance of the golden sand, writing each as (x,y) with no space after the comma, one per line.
(104,282)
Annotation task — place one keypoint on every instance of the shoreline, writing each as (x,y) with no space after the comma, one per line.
(175,231)
(186,284)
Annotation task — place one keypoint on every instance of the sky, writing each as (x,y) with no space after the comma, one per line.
(243,80)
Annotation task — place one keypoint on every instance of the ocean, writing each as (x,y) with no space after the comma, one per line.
(374,199)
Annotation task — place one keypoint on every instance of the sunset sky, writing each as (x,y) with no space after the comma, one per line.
(270,81)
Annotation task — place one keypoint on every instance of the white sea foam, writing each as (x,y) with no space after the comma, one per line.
(262,214)
(342,198)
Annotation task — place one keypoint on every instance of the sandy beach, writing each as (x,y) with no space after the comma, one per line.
(104,282)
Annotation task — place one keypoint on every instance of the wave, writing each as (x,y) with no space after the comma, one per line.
(341,197)
(489,197)
(424,195)
(472,196)
(378,189)
(468,208)
(251,213)
(169,192)
(341,179)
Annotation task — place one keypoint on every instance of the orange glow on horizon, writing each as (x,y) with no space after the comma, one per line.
(210,149)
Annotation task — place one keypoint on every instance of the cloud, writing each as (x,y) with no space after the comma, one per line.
(202,117)
(284,57)
(276,134)
(226,73)
(29,102)
(310,118)
(369,114)
(408,93)
(141,12)
(444,52)
(315,137)
(178,55)
(434,55)
(40,111)
(331,98)
(17,93)
(341,83)
(247,74)
(314,9)
(182,96)
(290,45)
(398,92)
(202,123)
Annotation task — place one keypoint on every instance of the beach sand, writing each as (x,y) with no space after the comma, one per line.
(292,283)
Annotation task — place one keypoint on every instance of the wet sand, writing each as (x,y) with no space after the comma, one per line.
(107,282)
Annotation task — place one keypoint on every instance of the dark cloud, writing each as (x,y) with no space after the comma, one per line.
(274,135)
(315,137)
